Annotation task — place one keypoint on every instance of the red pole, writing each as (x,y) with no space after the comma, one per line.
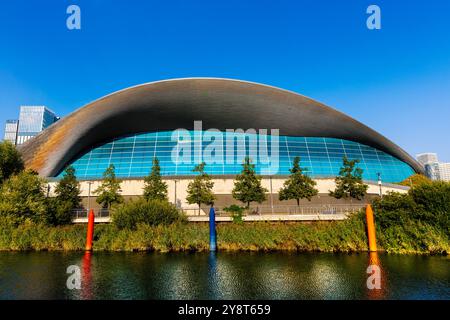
(90,231)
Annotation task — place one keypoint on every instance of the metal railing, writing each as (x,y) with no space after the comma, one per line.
(83,213)
(256,210)
(284,209)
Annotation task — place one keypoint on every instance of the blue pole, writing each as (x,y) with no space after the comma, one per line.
(212,229)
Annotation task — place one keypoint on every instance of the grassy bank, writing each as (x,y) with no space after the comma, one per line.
(339,236)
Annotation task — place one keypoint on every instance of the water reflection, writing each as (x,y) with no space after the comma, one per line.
(377,288)
(222,276)
(86,276)
(213,277)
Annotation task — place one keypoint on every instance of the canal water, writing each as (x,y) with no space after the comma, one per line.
(43,275)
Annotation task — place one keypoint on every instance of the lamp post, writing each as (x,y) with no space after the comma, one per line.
(176,205)
(48,190)
(89,195)
(379,184)
(271,194)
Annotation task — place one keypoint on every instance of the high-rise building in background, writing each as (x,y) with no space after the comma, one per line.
(11,131)
(430,163)
(426,158)
(32,120)
(434,169)
(444,171)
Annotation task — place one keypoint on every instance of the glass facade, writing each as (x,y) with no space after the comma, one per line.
(11,131)
(32,120)
(179,152)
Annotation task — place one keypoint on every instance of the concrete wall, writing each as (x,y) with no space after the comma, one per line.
(223,187)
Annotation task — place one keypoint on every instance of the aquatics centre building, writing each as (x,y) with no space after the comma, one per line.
(185,121)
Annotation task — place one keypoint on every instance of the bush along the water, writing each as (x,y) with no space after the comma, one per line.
(142,211)
(416,221)
(236,212)
(338,236)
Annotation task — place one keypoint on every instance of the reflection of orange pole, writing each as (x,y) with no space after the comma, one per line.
(90,231)
(371,229)
(375,267)
(373,259)
(87,279)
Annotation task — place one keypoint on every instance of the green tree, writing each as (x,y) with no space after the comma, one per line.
(298,186)
(10,161)
(415,180)
(154,187)
(68,188)
(200,189)
(23,195)
(108,193)
(349,182)
(67,198)
(247,185)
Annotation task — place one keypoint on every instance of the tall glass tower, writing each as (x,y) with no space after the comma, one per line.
(32,120)
(11,131)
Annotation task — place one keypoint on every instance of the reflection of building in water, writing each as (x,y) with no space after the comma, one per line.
(329,281)
(279,282)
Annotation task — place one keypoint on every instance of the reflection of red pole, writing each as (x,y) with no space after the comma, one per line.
(86,276)
(90,231)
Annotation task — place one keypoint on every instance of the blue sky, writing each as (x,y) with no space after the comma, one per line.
(396,80)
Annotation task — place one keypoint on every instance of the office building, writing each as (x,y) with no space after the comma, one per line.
(434,169)
(32,120)
(11,127)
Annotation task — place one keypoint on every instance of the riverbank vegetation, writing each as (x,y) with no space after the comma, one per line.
(408,236)
(415,222)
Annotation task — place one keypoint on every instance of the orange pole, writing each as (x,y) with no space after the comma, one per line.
(373,258)
(90,231)
(371,229)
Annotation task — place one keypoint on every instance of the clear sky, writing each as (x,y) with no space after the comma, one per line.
(396,80)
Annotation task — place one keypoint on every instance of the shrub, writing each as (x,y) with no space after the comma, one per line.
(433,198)
(236,213)
(393,208)
(59,212)
(427,203)
(152,212)
(23,195)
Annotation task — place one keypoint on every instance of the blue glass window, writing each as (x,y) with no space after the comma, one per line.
(321,157)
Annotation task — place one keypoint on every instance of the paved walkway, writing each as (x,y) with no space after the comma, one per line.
(266,217)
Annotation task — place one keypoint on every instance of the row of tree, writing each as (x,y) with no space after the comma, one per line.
(247,185)
(24,193)
(248,188)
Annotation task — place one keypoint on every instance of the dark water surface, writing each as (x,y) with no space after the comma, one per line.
(42,275)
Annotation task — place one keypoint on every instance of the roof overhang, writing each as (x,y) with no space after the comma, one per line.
(171,104)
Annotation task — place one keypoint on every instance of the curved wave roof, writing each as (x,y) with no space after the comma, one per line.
(170,104)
